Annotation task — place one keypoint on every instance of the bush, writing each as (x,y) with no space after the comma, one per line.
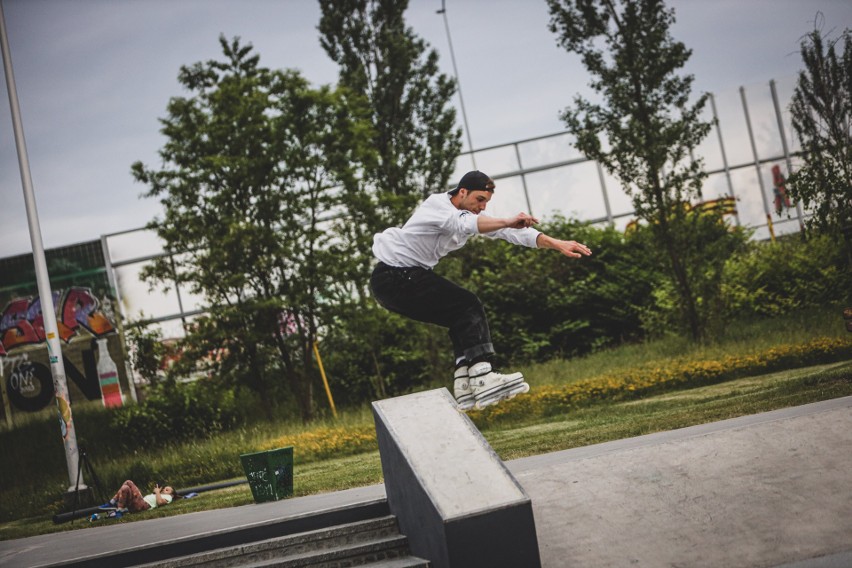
(769,279)
(177,412)
(373,353)
(541,304)
(706,243)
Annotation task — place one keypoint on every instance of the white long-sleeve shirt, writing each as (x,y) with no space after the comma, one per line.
(436,229)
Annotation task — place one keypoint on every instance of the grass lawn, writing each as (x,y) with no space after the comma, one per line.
(598,423)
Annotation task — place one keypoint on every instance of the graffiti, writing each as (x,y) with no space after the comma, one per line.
(22,376)
(22,321)
(29,384)
(23,381)
(12,363)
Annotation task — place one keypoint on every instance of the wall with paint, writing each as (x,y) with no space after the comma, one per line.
(86,311)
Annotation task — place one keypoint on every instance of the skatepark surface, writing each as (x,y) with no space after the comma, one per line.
(767,490)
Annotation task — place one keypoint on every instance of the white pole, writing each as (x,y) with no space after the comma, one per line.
(724,156)
(443,11)
(757,166)
(54,347)
(786,150)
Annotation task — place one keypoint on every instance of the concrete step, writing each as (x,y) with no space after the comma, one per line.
(388,552)
(352,544)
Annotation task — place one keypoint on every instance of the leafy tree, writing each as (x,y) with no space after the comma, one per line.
(253,158)
(417,142)
(415,134)
(822,119)
(645,129)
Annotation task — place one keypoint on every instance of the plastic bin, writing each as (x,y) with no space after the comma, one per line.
(269,473)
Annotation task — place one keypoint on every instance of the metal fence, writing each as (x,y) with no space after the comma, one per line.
(547,176)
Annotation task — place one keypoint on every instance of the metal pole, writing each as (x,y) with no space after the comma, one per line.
(523,179)
(54,347)
(604,193)
(757,166)
(443,11)
(177,291)
(724,156)
(786,150)
(113,285)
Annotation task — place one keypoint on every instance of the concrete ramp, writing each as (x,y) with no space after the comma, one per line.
(454,498)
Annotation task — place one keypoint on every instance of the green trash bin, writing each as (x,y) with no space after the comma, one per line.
(269,473)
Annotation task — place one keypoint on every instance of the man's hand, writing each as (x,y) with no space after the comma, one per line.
(571,249)
(521,221)
(487,224)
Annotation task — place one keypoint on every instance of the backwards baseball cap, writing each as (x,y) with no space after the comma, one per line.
(474,181)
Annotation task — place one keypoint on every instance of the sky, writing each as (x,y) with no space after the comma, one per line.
(94,76)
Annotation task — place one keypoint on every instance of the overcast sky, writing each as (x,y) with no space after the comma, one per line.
(94,76)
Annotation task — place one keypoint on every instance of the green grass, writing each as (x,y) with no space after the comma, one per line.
(214,460)
(740,338)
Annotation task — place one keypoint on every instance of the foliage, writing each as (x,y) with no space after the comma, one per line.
(327,442)
(659,376)
(650,128)
(174,412)
(147,352)
(252,160)
(371,351)
(415,133)
(771,279)
(821,112)
(708,243)
(541,306)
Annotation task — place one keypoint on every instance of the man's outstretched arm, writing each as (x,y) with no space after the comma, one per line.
(572,249)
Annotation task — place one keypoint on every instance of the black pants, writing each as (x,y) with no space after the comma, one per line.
(422,295)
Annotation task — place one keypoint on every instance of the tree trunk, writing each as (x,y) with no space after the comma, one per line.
(681,277)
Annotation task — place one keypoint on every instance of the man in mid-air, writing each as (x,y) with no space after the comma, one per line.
(403,280)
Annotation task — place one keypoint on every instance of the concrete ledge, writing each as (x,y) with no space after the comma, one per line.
(454,498)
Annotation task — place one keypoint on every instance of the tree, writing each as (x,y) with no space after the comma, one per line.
(415,134)
(649,127)
(821,111)
(252,159)
(416,140)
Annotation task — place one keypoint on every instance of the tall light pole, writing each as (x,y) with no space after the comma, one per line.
(443,11)
(54,347)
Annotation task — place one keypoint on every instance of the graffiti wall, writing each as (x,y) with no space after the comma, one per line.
(93,351)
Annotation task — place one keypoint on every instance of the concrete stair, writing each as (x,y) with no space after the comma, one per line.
(373,542)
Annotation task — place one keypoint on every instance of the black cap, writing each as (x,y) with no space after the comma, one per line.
(474,181)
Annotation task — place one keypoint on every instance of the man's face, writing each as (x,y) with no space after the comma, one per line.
(474,201)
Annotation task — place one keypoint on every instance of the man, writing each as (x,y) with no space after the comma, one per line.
(128,499)
(403,280)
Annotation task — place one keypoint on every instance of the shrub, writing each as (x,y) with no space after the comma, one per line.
(541,304)
(769,279)
(706,244)
(175,411)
